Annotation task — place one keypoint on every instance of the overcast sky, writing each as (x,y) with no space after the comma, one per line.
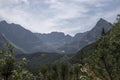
(68,16)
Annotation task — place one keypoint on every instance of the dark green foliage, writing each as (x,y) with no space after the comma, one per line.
(64,71)
(83,54)
(7,63)
(10,69)
(105,59)
(103,32)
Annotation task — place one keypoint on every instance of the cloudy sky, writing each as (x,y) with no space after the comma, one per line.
(68,16)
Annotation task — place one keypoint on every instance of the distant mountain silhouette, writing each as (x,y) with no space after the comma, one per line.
(68,44)
(83,39)
(29,42)
(3,42)
(23,39)
(55,39)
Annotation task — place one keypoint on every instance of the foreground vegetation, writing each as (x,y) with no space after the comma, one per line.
(99,61)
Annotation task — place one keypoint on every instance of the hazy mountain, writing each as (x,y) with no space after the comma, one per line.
(81,40)
(68,44)
(95,33)
(23,39)
(26,41)
(55,39)
(79,36)
(3,42)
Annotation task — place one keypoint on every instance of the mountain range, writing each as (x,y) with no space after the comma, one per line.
(29,42)
(69,44)
(22,38)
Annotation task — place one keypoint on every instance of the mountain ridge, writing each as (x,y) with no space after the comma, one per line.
(23,38)
(51,42)
(87,37)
